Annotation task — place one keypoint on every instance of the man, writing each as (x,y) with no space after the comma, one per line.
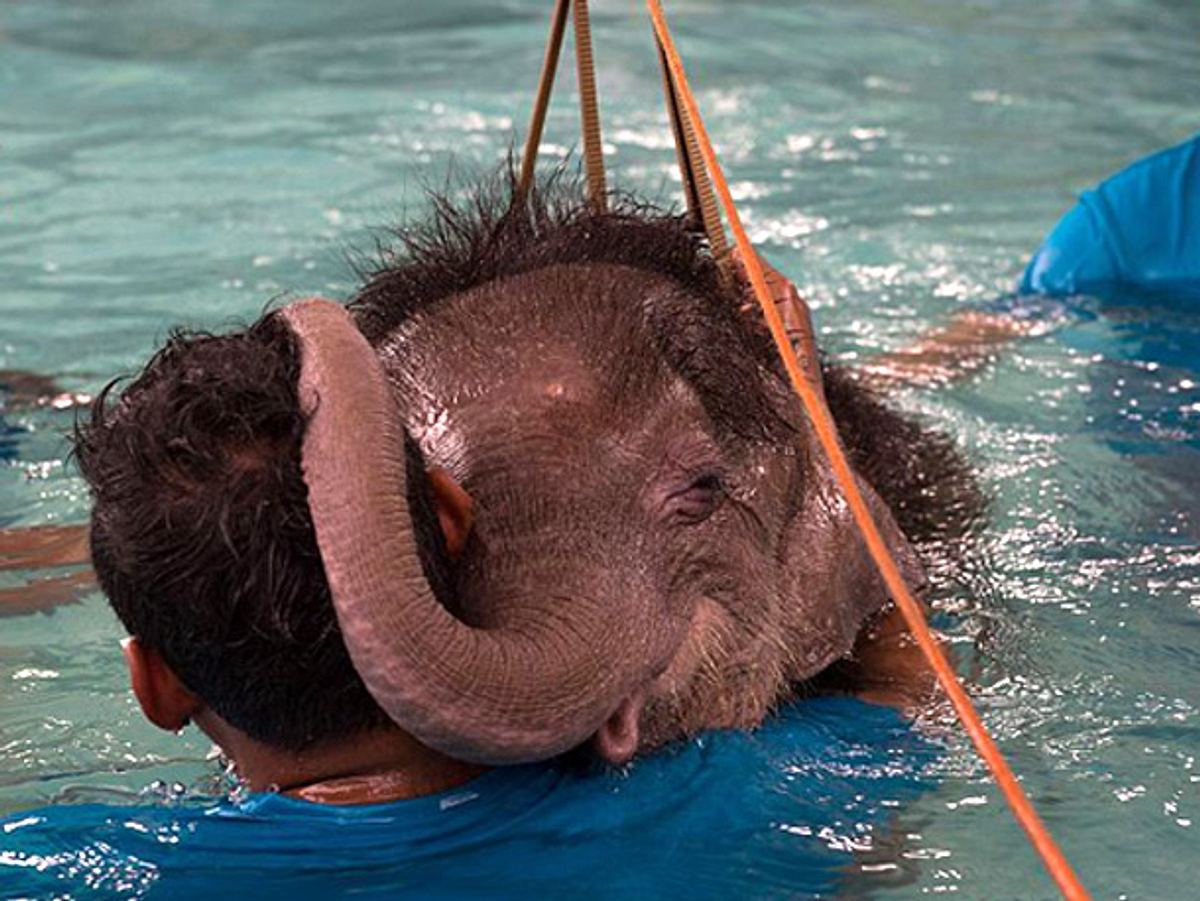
(232,630)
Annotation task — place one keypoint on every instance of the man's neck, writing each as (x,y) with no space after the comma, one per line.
(369,768)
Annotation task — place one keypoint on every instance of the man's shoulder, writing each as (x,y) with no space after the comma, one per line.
(222,845)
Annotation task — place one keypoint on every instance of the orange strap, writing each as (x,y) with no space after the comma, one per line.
(1057,865)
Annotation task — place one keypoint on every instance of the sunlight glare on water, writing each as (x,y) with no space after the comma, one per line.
(165,163)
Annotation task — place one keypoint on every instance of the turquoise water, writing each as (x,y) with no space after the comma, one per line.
(177,162)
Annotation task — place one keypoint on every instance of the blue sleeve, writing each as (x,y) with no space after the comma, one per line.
(1140,228)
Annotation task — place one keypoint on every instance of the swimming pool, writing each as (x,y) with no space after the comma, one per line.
(168,162)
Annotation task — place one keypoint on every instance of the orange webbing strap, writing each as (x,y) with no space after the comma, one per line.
(589,105)
(826,431)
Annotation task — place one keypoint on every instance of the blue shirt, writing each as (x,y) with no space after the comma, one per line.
(777,813)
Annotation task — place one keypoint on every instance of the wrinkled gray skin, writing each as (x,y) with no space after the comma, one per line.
(634,573)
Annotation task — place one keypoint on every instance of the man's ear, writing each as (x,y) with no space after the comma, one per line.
(164,700)
(455,510)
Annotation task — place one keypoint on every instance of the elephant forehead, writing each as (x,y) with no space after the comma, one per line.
(558,410)
(563,351)
(555,395)
(593,316)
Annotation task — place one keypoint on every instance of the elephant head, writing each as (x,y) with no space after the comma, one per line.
(658,547)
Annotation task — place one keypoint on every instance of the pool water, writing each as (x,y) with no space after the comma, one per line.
(169,162)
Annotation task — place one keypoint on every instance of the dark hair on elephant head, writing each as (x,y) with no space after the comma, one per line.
(202,538)
(918,471)
(494,235)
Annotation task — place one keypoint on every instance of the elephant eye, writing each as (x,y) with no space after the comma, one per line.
(699,499)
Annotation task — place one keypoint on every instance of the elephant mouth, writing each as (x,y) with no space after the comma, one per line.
(715,680)
(708,628)
(620,738)
(633,725)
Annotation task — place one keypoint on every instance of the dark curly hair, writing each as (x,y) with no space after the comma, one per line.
(202,540)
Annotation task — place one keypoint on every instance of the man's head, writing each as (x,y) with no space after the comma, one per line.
(202,539)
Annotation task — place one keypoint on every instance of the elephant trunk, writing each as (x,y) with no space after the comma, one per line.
(526,690)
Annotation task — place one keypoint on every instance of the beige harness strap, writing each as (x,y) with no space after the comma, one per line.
(589,104)
(537,122)
(697,185)
(589,110)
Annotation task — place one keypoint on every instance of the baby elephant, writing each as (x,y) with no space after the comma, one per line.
(546,471)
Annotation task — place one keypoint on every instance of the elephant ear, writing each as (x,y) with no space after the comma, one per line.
(890,453)
(918,471)
(831,584)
